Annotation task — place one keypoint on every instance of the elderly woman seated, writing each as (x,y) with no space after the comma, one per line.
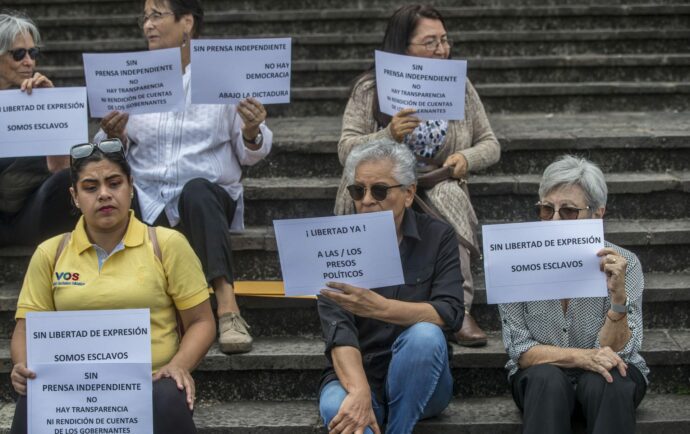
(387,347)
(582,352)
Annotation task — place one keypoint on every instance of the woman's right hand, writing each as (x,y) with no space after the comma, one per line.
(114,124)
(403,123)
(355,415)
(19,375)
(602,360)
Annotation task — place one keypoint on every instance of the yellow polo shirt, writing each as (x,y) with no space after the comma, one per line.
(132,278)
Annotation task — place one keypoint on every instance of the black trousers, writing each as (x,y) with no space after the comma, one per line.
(47,212)
(170,411)
(548,398)
(206,212)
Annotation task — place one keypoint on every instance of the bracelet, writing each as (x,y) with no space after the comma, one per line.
(615,320)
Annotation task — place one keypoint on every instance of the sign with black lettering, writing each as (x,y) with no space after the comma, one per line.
(359,249)
(93,372)
(546,260)
(47,122)
(135,83)
(226,71)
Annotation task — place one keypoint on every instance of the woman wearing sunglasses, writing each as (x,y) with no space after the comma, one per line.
(187,165)
(581,352)
(387,348)
(34,196)
(459,146)
(121,264)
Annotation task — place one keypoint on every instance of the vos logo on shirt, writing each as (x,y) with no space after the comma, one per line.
(66,278)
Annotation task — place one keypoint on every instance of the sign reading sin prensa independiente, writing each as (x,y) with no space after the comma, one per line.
(543,260)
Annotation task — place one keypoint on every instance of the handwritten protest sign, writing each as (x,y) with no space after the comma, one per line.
(360,249)
(435,88)
(226,71)
(47,122)
(93,371)
(137,82)
(543,260)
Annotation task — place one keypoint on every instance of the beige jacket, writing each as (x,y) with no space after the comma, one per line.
(471,137)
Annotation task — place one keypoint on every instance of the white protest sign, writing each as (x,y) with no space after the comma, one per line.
(136,83)
(543,260)
(93,371)
(226,71)
(47,122)
(435,88)
(360,249)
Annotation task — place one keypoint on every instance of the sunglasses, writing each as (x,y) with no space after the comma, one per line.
(108,146)
(19,54)
(378,191)
(546,212)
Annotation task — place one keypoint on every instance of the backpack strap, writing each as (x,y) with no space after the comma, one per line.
(154,241)
(63,243)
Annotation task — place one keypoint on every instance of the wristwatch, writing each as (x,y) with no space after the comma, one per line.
(620,308)
(259,139)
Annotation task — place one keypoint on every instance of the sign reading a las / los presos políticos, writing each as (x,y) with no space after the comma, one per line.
(226,71)
(543,260)
(136,83)
(47,122)
(93,372)
(360,250)
(435,88)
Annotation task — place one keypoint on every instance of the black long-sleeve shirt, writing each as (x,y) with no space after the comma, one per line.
(431,267)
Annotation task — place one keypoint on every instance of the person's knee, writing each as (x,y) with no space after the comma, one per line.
(593,384)
(332,396)
(168,399)
(196,189)
(422,339)
(547,378)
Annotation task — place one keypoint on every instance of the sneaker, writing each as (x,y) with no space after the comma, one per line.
(234,337)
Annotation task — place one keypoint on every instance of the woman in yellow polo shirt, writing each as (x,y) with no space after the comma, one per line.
(120,264)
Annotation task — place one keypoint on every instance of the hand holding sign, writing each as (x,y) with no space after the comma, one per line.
(614,265)
(403,123)
(359,301)
(37,81)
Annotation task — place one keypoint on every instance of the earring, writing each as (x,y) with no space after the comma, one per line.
(185,38)
(131,195)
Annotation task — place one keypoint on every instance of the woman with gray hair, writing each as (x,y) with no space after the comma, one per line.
(387,348)
(583,352)
(34,191)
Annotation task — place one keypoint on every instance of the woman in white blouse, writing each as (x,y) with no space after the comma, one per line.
(187,165)
(581,352)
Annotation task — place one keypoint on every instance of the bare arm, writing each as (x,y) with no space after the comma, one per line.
(20,373)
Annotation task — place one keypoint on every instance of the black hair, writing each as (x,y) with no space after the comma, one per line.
(118,158)
(187,7)
(399,31)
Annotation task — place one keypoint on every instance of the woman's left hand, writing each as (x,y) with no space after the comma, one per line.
(183,379)
(35,82)
(360,301)
(459,164)
(253,114)
(614,265)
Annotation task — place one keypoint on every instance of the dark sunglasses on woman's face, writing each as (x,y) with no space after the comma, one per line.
(378,191)
(107,146)
(19,54)
(546,212)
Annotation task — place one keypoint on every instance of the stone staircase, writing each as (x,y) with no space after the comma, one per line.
(604,79)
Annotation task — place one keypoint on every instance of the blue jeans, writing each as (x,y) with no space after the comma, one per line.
(419,384)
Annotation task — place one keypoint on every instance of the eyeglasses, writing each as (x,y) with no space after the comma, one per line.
(546,212)
(434,43)
(155,17)
(108,146)
(19,54)
(378,191)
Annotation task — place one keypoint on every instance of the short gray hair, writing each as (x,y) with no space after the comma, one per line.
(571,170)
(13,24)
(404,162)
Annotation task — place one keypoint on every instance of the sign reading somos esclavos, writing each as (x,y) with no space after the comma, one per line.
(93,372)
(543,260)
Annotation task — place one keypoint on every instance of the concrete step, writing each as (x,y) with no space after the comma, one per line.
(618,142)
(535,69)
(467,44)
(661,245)
(289,368)
(658,413)
(666,305)
(326,20)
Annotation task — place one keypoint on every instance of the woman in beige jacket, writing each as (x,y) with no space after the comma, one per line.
(467,145)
